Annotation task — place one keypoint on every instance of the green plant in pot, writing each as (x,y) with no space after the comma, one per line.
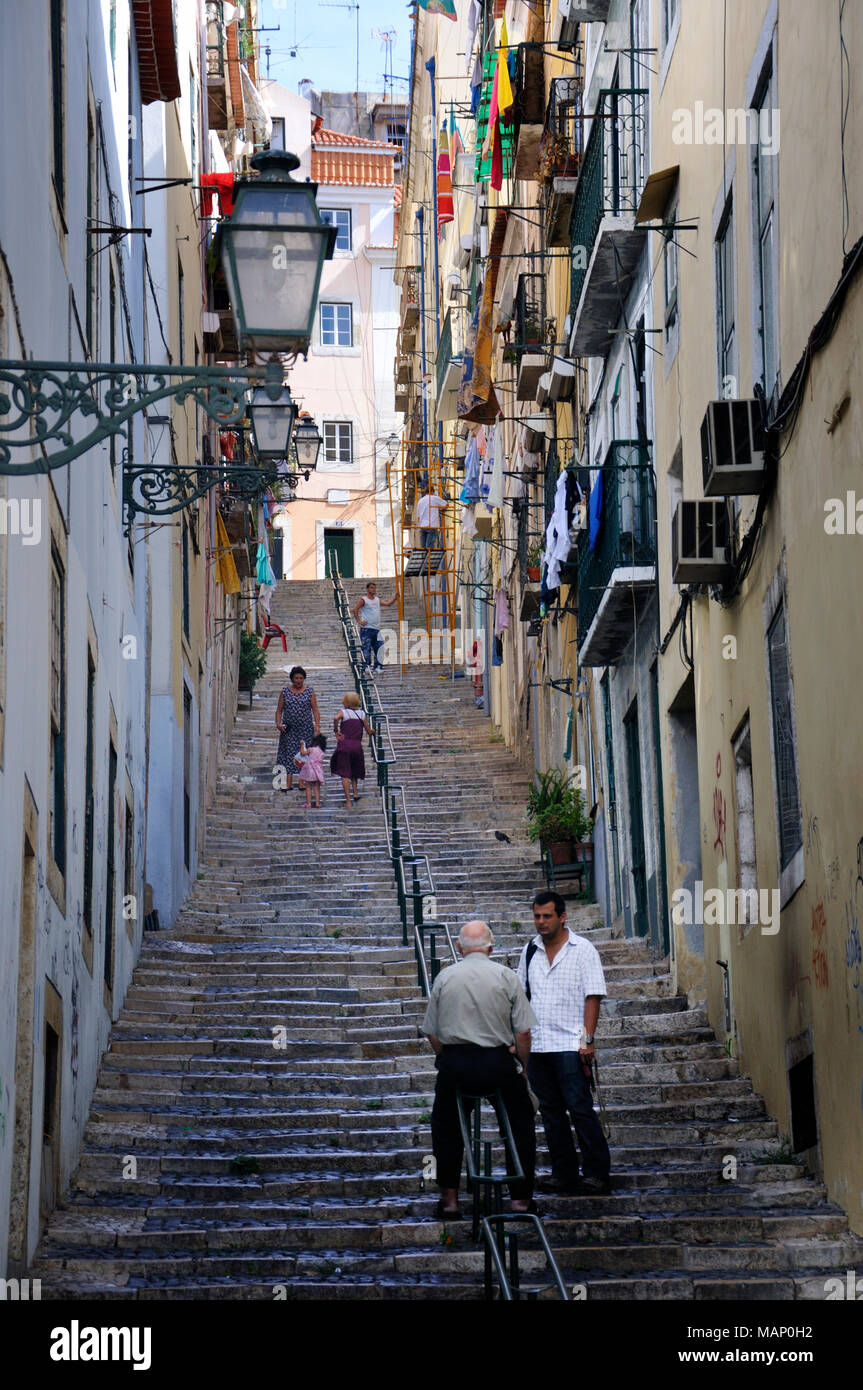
(253,661)
(534,562)
(557,815)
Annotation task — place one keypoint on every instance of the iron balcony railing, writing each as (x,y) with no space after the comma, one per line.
(529,314)
(612,174)
(215,39)
(563,138)
(529,85)
(626,536)
(410,304)
(444,354)
(414,882)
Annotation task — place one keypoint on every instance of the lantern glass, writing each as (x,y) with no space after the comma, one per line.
(307,443)
(273,249)
(272,423)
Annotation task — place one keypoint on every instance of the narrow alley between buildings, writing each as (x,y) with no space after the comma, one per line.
(218,1163)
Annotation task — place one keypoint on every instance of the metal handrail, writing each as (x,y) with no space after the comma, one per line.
(510,1286)
(488,1191)
(495,1242)
(399,839)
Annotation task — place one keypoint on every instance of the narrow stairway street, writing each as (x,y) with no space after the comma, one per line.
(257,1165)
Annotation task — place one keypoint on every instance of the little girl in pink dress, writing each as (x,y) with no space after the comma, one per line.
(311,764)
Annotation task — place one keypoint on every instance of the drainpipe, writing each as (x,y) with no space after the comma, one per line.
(430,69)
(420,215)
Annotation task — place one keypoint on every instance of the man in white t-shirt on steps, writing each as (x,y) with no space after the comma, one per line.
(370,623)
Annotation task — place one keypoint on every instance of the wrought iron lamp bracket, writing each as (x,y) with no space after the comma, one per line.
(40,402)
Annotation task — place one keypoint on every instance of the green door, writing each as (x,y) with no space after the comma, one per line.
(342,542)
(636,823)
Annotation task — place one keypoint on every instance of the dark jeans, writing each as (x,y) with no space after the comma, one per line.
(477,1071)
(560,1085)
(371,643)
(430,539)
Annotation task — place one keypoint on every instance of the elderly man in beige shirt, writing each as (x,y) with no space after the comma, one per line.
(478,1020)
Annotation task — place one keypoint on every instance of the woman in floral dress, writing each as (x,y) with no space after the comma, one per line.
(298,707)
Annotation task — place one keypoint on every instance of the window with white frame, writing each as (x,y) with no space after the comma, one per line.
(340,218)
(338,443)
(277,136)
(337,328)
(725,298)
(764,208)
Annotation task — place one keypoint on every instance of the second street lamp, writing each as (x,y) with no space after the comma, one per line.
(272,423)
(307,442)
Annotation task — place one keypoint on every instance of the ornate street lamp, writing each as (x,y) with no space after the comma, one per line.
(272,423)
(273,249)
(307,442)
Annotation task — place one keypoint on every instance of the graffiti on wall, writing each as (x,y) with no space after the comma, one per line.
(720,811)
(819,942)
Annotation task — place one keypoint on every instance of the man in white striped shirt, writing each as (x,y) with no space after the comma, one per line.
(562,977)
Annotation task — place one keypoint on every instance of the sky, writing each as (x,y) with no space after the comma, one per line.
(308,28)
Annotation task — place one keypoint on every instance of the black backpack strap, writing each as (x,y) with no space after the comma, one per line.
(532,949)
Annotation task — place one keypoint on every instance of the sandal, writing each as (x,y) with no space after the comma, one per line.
(443,1213)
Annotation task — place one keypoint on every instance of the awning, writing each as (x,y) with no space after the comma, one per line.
(657,193)
(156,43)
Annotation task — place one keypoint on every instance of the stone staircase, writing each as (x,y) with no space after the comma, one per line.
(219,1164)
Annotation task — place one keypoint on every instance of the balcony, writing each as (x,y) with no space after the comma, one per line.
(560,155)
(529,94)
(617,577)
(606,244)
(569,14)
(410,315)
(217,102)
(448,367)
(530,354)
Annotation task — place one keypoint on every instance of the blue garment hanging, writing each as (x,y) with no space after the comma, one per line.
(470,487)
(264,569)
(594,510)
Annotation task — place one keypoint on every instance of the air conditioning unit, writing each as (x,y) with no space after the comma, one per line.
(732,448)
(564,30)
(542,390)
(701,543)
(534,427)
(561,379)
(465,251)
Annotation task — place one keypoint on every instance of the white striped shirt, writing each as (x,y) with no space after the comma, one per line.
(558,991)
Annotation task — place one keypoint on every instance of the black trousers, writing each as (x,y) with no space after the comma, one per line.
(477,1071)
(564,1093)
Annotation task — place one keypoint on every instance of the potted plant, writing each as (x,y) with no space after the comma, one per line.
(559,820)
(253,663)
(532,336)
(534,562)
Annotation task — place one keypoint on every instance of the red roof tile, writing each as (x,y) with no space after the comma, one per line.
(349,159)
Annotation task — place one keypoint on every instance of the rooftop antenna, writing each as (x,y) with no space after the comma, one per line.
(350,5)
(387,38)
